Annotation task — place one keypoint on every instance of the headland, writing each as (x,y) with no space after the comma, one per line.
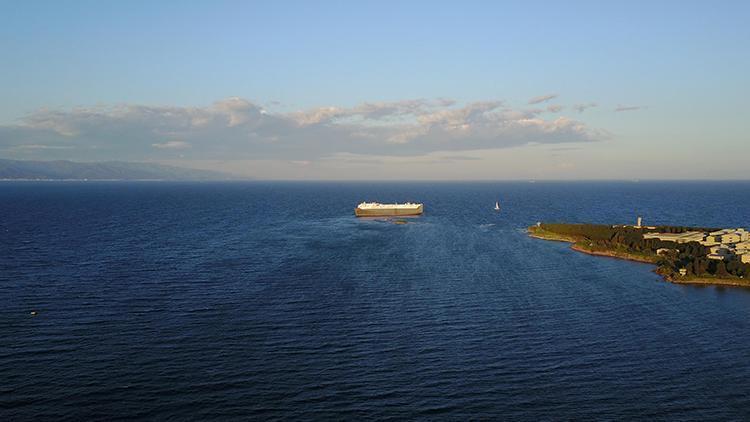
(684,255)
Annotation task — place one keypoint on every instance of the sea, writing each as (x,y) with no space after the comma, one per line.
(272,301)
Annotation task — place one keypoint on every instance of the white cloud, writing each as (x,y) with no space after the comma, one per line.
(318,115)
(542,98)
(236,129)
(620,108)
(582,107)
(42,147)
(172,145)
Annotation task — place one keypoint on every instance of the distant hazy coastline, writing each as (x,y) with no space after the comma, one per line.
(22,170)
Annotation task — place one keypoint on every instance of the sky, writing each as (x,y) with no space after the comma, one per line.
(382,89)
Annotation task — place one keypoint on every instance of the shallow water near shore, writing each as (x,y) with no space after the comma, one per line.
(271,300)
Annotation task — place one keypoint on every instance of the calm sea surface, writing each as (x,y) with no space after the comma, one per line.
(271,300)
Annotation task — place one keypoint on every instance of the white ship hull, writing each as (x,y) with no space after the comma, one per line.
(374,209)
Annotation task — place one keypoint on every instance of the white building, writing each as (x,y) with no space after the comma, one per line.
(676,237)
(727,236)
(742,247)
(722,244)
(711,240)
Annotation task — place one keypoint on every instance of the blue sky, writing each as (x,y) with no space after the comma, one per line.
(678,70)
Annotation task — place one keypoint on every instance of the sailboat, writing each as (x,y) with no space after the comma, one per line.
(497,206)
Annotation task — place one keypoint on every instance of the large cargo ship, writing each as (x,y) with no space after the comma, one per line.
(375,209)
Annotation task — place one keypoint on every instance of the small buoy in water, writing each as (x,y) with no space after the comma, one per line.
(33,313)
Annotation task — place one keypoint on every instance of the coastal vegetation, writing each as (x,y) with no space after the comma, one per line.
(677,262)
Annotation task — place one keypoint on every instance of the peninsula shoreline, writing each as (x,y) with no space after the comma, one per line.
(537,233)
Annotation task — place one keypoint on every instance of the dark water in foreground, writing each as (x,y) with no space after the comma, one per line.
(169,300)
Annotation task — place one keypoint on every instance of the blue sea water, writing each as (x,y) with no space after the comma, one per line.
(271,300)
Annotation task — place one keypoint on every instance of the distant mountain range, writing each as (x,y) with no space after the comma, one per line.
(107,170)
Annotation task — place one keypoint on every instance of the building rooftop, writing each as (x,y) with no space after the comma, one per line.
(676,237)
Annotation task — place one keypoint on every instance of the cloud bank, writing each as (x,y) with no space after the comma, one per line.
(235,128)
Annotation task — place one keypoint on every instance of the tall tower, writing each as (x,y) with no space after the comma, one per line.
(640,220)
